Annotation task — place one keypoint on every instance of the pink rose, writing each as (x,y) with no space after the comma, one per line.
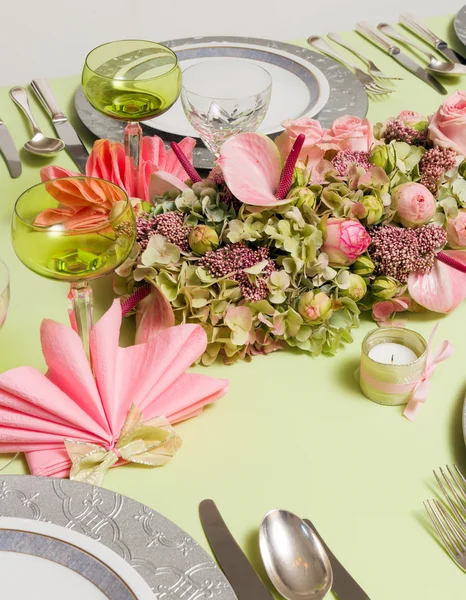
(345,240)
(313,149)
(412,118)
(352,133)
(447,127)
(414,204)
(456,230)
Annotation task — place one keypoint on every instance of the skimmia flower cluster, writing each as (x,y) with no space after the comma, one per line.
(284,243)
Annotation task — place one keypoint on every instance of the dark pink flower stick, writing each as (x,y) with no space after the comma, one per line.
(187,166)
(135,298)
(287,174)
(451,262)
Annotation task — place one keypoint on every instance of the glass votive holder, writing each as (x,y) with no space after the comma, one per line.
(392,382)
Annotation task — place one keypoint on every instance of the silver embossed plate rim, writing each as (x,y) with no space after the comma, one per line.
(459,24)
(347,95)
(173,565)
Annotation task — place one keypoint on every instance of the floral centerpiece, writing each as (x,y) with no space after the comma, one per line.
(285,242)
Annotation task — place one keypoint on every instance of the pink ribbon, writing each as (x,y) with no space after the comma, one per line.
(422,386)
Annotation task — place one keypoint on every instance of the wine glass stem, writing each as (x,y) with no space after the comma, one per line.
(80,311)
(133,137)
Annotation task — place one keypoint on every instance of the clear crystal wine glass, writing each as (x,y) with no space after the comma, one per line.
(224,97)
(75,242)
(4,292)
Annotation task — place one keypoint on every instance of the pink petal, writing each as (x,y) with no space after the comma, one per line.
(382,311)
(153,150)
(441,290)
(251,165)
(161,182)
(154,314)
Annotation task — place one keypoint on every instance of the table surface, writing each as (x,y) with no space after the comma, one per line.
(293,432)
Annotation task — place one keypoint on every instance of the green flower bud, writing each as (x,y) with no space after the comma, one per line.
(210,193)
(201,185)
(374,209)
(300,175)
(302,197)
(203,239)
(380,156)
(384,287)
(315,308)
(357,288)
(462,169)
(364,265)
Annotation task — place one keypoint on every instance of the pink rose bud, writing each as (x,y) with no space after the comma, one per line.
(345,240)
(352,133)
(447,126)
(414,204)
(456,231)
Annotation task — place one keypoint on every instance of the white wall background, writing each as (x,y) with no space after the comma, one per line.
(50,38)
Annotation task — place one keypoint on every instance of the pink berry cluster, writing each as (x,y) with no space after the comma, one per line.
(433,165)
(400,251)
(345,158)
(232,259)
(397,131)
(169,224)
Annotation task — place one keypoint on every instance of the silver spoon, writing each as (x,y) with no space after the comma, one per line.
(38,144)
(435,65)
(293,557)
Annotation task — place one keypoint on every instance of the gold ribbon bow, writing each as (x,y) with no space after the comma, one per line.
(150,443)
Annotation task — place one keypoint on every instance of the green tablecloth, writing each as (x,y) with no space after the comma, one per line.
(293,432)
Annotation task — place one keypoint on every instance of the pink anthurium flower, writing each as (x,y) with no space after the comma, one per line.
(251,165)
(442,289)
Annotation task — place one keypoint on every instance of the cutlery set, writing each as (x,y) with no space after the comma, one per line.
(384,36)
(39,144)
(296,559)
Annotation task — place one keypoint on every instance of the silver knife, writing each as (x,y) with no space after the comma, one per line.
(410,22)
(344,586)
(65,131)
(9,151)
(244,580)
(376,37)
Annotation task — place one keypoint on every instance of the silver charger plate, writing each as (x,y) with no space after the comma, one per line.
(459,24)
(346,94)
(168,559)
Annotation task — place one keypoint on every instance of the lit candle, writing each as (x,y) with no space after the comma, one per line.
(392,353)
(393,360)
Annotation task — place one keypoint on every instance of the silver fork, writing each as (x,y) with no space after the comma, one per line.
(454,491)
(370,84)
(371,67)
(452,535)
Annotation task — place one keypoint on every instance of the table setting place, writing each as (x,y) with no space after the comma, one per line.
(264,246)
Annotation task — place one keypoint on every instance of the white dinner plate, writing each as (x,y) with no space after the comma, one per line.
(61,563)
(65,540)
(299,88)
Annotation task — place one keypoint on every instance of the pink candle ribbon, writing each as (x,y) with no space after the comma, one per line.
(422,386)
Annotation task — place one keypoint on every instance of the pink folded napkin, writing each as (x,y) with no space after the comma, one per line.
(38,412)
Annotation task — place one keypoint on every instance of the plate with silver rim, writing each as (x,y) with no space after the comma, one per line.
(305,84)
(459,24)
(78,541)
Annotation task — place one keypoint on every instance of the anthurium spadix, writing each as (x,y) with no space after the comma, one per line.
(252,167)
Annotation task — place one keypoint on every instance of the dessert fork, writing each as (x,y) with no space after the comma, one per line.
(371,67)
(368,81)
(454,492)
(452,535)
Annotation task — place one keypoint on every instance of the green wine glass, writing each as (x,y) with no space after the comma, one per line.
(62,237)
(132,80)
(4,292)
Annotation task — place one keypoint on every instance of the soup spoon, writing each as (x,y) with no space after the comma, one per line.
(435,65)
(38,144)
(294,557)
